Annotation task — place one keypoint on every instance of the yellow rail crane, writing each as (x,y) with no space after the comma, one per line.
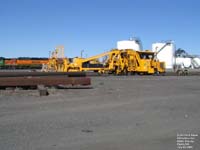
(142,62)
(114,62)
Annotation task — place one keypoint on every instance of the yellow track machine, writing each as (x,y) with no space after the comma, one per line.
(114,62)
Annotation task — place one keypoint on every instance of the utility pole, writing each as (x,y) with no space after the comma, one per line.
(82,53)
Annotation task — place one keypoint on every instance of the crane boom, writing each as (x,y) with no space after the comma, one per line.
(167,43)
(96,56)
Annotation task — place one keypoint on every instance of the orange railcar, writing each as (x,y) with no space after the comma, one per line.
(10,62)
(24,63)
(31,61)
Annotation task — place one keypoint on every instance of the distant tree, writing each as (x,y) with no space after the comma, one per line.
(180,53)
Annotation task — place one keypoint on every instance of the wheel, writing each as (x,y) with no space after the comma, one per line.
(179,72)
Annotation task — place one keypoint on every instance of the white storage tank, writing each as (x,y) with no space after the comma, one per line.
(129,44)
(166,54)
(196,62)
(184,62)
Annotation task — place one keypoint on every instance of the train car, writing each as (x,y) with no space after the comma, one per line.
(10,62)
(31,61)
(23,63)
(2,62)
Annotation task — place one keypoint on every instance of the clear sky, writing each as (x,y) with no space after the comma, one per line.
(34,27)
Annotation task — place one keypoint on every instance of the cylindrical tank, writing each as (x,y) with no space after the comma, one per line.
(129,44)
(166,54)
(184,62)
(196,62)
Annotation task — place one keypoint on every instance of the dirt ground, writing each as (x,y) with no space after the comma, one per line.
(118,113)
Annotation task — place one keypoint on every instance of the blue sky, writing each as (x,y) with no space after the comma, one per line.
(35,27)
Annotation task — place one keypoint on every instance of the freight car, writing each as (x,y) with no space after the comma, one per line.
(22,63)
(2,62)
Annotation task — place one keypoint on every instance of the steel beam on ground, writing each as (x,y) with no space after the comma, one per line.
(25,74)
(43,80)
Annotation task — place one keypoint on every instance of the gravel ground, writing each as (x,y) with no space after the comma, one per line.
(118,113)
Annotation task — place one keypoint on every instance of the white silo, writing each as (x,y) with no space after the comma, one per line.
(196,62)
(166,52)
(129,44)
(184,62)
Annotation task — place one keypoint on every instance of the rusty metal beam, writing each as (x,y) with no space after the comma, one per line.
(43,80)
(25,74)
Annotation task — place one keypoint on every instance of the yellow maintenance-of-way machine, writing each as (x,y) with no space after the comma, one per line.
(115,61)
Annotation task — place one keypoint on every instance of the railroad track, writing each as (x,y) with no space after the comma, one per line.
(74,74)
